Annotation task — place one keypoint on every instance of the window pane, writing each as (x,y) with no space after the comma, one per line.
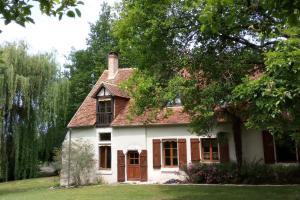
(167,161)
(215,156)
(102,157)
(285,149)
(206,145)
(105,136)
(166,144)
(174,152)
(108,106)
(170,153)
(206,156)
(175,161)
(174,144)
(167,152)
(101,106)
(105,157)
(214,143)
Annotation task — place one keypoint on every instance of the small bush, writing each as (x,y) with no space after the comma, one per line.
(81,162)
(251,173)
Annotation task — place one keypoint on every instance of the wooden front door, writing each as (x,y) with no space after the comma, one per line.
(133,166)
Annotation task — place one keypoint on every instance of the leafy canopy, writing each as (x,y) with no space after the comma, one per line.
(208,49)
(20,11)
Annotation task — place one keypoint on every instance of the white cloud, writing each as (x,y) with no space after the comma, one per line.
(50,34)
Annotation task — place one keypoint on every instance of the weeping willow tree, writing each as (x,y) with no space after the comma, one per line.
(33,102)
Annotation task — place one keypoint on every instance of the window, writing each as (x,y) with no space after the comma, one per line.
(285,149)
(175,102)
(133,158)
(104,106)
(104,112)
(105,157)
(170,153)
(210,149)
(105,137)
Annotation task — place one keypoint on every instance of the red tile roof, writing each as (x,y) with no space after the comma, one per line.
(175,116)
(115,90)
(86,114)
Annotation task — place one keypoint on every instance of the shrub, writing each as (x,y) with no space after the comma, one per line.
(210,173)
(251,173)
(82,161)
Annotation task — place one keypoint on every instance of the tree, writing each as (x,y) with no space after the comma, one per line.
(20,11)
(33,102)
(202,50)
(87,65)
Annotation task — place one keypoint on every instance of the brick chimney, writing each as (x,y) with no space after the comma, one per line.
(113,64)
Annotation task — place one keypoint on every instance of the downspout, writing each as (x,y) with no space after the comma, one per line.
(69,157)
(146,135)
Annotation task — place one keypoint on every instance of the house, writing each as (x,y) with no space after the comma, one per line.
(153,151)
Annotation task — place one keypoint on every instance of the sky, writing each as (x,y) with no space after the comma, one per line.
(48,34)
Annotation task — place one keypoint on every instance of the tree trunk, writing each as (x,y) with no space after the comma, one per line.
(237,135)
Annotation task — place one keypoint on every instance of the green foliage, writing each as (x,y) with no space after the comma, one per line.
(274,96)
(87,65)
(219,44)
(33,110)
(20,11)
(214,45)
(251,173)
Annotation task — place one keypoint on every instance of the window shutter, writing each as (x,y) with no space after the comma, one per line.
(224,152)
(156,154)
(143,164)
(268,147)
(182,152)
(121,166)
(195,149)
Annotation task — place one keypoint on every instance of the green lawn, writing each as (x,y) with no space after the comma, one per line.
(38,189)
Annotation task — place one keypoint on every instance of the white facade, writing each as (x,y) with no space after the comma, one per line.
(140,138)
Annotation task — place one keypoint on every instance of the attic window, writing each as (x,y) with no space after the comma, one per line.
(103,92)
(175,102)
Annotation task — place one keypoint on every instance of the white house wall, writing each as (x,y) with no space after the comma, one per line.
(140,138)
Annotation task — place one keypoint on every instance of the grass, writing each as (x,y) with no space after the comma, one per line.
(38,189)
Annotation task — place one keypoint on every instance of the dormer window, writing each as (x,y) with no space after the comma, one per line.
(104,107)
(175,102)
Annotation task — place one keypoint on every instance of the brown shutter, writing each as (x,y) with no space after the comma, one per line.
(182,152)
(156,154)
(268,147)
(195,150)
(143,164)
(224,152)
(121,166)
